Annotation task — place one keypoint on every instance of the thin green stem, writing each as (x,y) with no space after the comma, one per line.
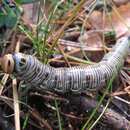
(58,116)
(104,110)
(83,28)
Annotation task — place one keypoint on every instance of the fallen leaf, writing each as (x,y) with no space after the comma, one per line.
(120,20)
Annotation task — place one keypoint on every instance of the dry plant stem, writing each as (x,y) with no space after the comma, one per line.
(69,53)
(118,93)
(71,11)
(73,52)
(121,99)
(49,97)
(3,82)
(128,90)
(110,117)
(16,105)
(72,116)
(63,54)
(11,47)
(15,96)
(38,117)
(7,101)
(17,46)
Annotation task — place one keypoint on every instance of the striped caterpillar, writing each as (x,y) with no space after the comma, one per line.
(33,72)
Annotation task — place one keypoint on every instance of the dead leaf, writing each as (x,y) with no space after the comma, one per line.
(120,20)
(91,39)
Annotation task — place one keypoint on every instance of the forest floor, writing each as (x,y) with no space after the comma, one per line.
(64,34)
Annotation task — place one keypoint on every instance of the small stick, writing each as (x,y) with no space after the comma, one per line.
(121,99)
(16,105)
(128,90)
(63,54)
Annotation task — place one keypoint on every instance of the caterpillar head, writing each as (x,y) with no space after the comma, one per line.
(7,63)
(10,63)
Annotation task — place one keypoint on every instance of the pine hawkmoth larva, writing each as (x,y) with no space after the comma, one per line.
(33,72)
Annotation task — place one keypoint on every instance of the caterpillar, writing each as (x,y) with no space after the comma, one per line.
(78,78)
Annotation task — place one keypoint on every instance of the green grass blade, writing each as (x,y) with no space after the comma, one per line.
(25,121)
(49,20)
(58,115)
(83,28)
(104,110)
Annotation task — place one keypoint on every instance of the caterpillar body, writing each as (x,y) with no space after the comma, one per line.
(33,72)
